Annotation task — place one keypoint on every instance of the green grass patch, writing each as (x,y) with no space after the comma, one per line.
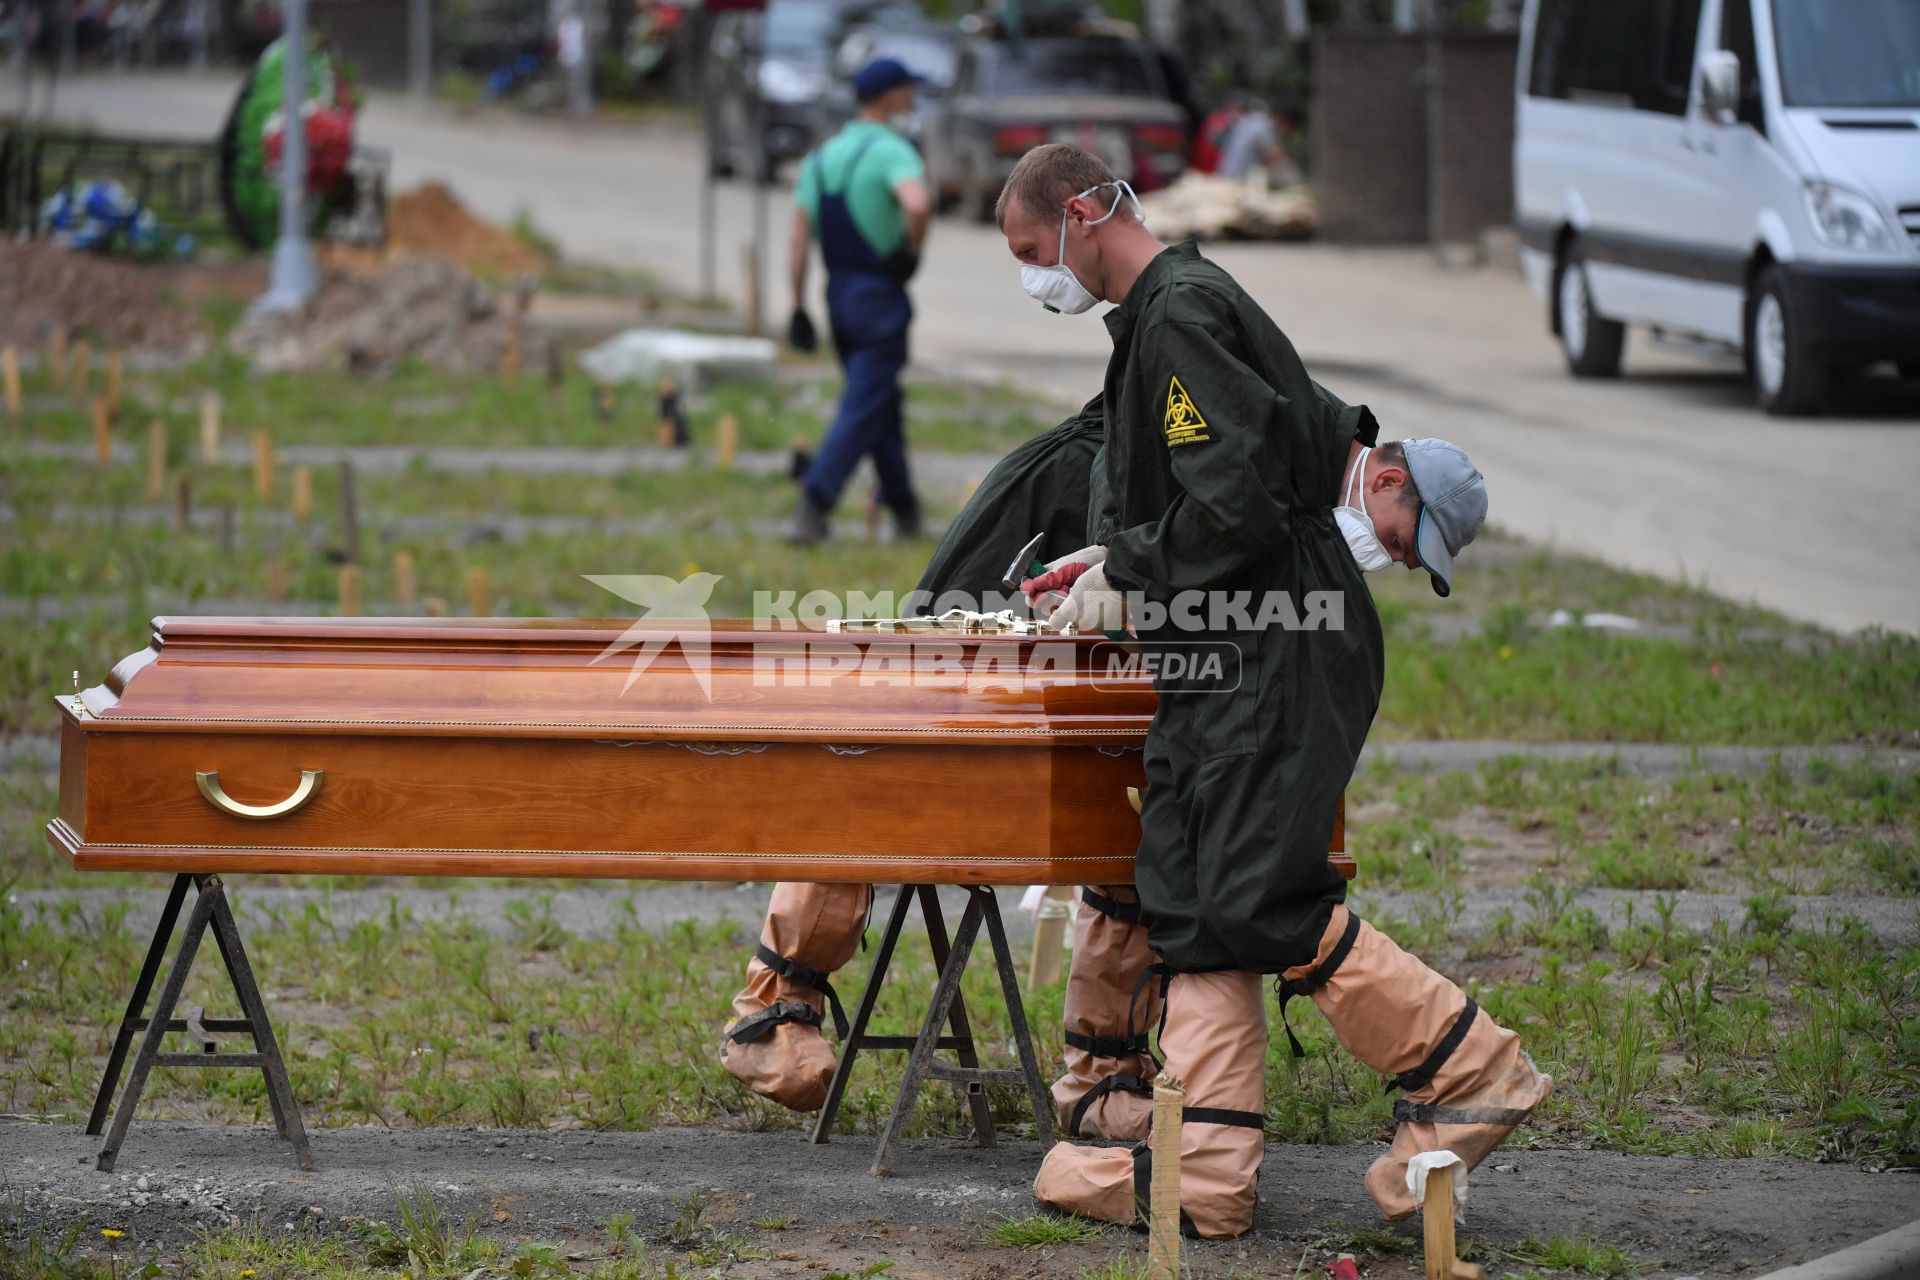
(1041,1230)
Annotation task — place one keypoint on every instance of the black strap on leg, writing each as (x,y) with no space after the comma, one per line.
(806,976)
(1221,1115)
(1116,1083)
(760,1025)
(1422,1076)
(1108,1046)
(1112,908)
(1164,972)
(1288,988)
(1433,1113)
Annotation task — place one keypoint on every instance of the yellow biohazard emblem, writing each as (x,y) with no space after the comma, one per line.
(1183,423)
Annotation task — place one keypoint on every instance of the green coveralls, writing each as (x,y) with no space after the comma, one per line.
(1041,486)
(1223,464)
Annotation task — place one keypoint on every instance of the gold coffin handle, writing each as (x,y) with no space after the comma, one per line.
(1133,797)
(217,797)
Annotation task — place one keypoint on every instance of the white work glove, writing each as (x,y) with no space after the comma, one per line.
(1091,604)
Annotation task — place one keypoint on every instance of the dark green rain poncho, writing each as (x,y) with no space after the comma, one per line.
(1042,486)
(1223,465)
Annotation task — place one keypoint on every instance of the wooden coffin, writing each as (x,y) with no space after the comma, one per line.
(565,747)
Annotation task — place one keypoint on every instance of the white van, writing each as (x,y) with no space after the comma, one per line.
(1743,171)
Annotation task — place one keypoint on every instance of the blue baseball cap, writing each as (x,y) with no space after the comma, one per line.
(1453,505)
(879,76)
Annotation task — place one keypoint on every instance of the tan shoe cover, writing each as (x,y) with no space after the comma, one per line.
(1215,1043)
(817,925)
(1108,958)
(1390,1011)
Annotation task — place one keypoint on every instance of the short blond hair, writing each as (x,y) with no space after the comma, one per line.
(1050,175)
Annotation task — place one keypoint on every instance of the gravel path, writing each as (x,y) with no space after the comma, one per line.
(1697,1217)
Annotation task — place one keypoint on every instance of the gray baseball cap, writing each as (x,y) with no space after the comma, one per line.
(1453,505)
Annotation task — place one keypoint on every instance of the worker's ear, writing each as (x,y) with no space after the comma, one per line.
(1388,480)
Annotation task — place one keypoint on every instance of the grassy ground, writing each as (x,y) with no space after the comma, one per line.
(1480,665)
(1747,1040)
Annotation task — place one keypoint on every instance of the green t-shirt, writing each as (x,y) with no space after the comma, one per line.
(888,160)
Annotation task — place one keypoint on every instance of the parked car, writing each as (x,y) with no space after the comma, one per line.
(1743,171)
(928,49)
(1107,94)
(779,61)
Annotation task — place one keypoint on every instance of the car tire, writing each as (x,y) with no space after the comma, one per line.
(1789,377)
(1591,343)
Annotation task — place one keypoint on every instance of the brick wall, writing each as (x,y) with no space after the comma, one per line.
(1412,135)
(1369,135)
(371,35)
(1470,171)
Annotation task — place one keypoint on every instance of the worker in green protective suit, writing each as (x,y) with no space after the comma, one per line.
(775,1042)
(1242,507)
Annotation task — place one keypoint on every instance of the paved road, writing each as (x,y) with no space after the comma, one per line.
(1667,471)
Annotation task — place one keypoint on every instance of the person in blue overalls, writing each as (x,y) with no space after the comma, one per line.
(863,195)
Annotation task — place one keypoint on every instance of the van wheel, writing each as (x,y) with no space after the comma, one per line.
(1788,378)
(1591,342)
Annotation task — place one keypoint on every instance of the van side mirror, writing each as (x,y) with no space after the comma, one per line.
(1720,86)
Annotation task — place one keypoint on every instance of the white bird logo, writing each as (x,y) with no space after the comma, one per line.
(677,612)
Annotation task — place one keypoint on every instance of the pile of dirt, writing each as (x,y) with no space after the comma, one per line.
(369,320)
(44,287)
(430,219)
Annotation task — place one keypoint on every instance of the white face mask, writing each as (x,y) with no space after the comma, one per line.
(1056,287)
(1357,525)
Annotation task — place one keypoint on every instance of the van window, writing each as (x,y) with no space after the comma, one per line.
(1736,37)
(1848,53)
(1627,53)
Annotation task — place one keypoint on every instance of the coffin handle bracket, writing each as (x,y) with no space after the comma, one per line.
(216,795)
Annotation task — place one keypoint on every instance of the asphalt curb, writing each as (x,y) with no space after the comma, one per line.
(1894,1255)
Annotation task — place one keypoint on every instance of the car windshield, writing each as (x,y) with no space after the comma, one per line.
(1074,67)
(1848,53)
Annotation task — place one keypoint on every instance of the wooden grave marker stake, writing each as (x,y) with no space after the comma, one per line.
(510,358)
(727,440)
(1049,935)
(303,494)
(10,370)
(349,590)
(1437,1219)
(1163,1216)
(276,579)
(102,432)
(263,465)
(477,594)
(156,461)
(403,578)
(210,427)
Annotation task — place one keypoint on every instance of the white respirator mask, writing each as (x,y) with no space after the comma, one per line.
(1357,525)
(1056,287)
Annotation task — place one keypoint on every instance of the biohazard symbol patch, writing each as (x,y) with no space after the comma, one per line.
(1183,423)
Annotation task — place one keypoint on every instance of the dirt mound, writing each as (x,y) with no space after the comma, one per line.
(128,304)
(369,320)
(430,219)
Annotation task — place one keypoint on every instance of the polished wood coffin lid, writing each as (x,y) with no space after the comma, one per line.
(500,747)
(557,678)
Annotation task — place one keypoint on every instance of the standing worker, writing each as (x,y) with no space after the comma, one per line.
(1227,475)
(863,193)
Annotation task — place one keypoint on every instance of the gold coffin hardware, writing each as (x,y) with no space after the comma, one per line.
(217,797)
(1133,798)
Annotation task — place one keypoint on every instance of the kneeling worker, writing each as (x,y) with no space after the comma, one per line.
(1228,475)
